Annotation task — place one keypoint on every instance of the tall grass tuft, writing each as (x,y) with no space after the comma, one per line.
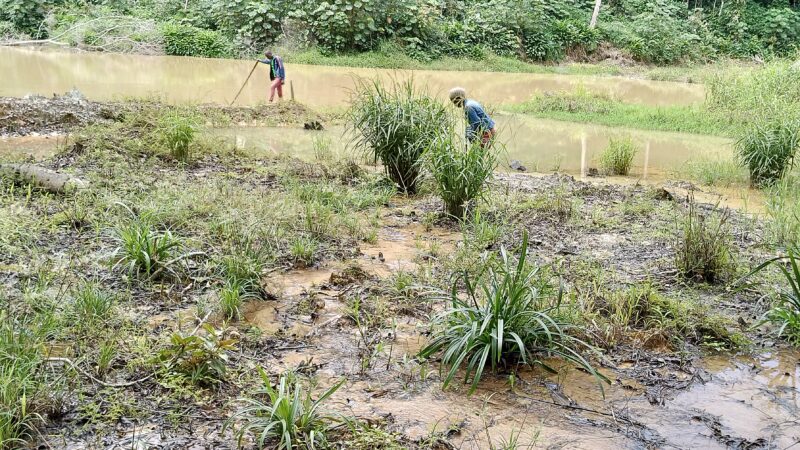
(783,210)
(92,304)
(144,251)
(287,417)
(768,148)
(617,158)
(460,173)
(703,244)
(394,125)
(176,131)
(786,312)
(20,361)
(502,321)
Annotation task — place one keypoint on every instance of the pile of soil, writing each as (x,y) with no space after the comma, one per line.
(65,113)
(43,115)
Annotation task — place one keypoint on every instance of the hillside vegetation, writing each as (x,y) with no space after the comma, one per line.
(650,31)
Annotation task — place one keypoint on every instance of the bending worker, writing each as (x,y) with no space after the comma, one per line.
(479,124)
(277,74)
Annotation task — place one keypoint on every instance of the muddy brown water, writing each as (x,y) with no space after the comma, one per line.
(182,79)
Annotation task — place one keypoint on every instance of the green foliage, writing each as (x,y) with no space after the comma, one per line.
(460,174)
(20,379)
(768,149)
(143,250)
(187,40)
(92,304)
(287,418)
(782,206)
(395,125)
(704,244)
(786,312)
(768,93)
(617,158)
(507,318)
(25,15)
(230,301)
(176,131)
(201,357)
(303,250)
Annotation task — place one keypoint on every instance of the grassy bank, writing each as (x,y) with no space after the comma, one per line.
(584,107)
(489,62)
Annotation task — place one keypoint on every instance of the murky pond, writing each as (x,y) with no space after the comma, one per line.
(183,79)
(541,145)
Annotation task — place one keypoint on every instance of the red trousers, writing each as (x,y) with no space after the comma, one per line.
(487,137)
(276,86)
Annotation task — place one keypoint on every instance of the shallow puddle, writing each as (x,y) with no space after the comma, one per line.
(104,76)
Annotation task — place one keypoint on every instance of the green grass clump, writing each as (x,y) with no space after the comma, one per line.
(230,301)
(785,313)
(20,381)
(703,247)
(394,125)
(617,158)
(303,250)
(143,250)
(768,149)
(92,304)
(503,320)
(285,417)
(460,174)
(783,211)
(176,131)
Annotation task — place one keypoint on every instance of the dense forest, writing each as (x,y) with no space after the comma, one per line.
(650,31)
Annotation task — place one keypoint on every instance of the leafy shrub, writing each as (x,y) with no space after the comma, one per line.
(340,25)
(394,126)
(768,149)
(703,245)
(26,15)
(186,40)
(460,175)
(288,415)
(200,357)
(617,158)
(255,23)
(503,320)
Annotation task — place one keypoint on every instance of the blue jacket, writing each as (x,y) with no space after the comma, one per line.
(276,67)
(477,119)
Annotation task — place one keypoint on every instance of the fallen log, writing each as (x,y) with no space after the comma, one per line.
(45,178)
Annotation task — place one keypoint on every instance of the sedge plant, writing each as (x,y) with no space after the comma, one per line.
(176,131)
(394,125)
(505,318)
(768,148)
(785,314)
(460,171)
(703,246)
(617,158)
(285,416)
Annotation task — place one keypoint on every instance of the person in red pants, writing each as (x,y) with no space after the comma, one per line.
(277,74)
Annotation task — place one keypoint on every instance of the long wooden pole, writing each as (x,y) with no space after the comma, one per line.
(245,82)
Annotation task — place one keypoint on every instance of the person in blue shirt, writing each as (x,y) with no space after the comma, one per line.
(479,124)
(277,74)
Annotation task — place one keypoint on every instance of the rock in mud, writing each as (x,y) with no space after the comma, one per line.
(516,165)
(313,125)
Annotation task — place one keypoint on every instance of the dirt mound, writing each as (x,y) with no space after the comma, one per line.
(65,113)
(59,114)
